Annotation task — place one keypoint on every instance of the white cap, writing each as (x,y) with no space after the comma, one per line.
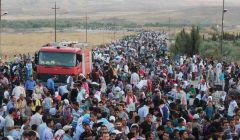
(112,118)
(209,97)
(10,138)
(196,116)
(117,89)
(59,133)
(67,127)
(66,102)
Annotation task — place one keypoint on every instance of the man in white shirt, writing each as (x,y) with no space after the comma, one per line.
(9,125)
(232,106)
(134,79)
(19,90)
(37,117)
(203,87)
(143,112)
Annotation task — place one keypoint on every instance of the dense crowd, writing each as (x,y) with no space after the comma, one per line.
(135,91)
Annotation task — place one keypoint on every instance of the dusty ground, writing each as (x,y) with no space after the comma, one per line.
(15,43)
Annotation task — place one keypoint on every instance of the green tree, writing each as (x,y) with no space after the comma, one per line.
(187,43)
(214,37)
(195,40)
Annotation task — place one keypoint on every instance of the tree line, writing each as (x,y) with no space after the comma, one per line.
(64,23)
(226,36)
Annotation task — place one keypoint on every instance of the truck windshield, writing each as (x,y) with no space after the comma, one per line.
(57,59)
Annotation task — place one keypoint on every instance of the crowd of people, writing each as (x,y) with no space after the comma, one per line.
(135,91)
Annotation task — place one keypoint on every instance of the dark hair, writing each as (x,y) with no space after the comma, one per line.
(118,120)
(181,132)
(34,127)
(11,110)
(26,134)
(180,120)
(137,119)
(44,118)
(48,121)
(161,127)
(130,135)
(38,108)
(12,96)
(29,102)
(32,133)
(104,114)
(148,134)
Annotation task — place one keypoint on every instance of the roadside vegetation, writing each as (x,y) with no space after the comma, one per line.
(194,42)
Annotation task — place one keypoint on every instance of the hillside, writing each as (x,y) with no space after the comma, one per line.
(180,11)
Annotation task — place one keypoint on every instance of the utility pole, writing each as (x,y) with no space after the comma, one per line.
(86,21)
(86,28)
(169,24)
(0,10)
(223,11)
(1,14)
(1,28)
(55,24)
(114,28)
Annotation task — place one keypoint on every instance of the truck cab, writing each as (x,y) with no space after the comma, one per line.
(63,59)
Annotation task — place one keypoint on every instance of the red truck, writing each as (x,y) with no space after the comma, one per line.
(63,59)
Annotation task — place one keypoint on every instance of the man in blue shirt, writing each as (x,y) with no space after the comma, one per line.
(29,86)
(51,84)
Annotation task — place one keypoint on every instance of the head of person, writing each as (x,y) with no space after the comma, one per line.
(181,122)
(149,118)
(39,83)
(113,136)
(226,124)
(50,123)
(183,135)
(118,125)
(219,133)
(165,136)
(120,107)
(25,135)
(134,129)
(54,77)
(32,135)
(75,105)
(176,134)
(105,136)
(87,127)
(124,121)
(67,129)
(44,118)
(13,112)
(31,78)
(104,129)
(232,122)
(21,97)
(39,109)
(231,97)
(13,98)
(34,127)
(112,119)
(149,136)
